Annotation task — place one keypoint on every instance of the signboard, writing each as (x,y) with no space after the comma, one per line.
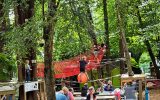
(31,86)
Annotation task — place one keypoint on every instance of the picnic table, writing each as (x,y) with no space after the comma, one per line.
(77,93)
(106,93)
(98,98)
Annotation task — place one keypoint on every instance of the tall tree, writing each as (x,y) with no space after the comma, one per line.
(90,27)
(48,49)
(105,14)
(122,35)
(146,42)
(31,55)
(152,58)
(20,15)
(2,25)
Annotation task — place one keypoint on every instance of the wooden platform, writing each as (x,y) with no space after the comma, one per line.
(9,88)
(140,77)
(6,91)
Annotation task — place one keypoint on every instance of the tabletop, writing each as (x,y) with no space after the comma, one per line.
(98,98)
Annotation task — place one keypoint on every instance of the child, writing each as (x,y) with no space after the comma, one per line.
(27,70)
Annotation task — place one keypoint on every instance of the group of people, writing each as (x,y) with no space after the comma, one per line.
(90,92)
(65,94)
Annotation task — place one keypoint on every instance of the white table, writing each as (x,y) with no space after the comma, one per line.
(77,93)
(98,98)
(79,98)
(106,94)
(106,97)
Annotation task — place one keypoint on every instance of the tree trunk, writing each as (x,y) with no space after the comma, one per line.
(2,26)
(152,58)
(90,25)
(146,42)
(48,50)
(122,63)
(31,56)
(122,36)
(20,15)
(105,14)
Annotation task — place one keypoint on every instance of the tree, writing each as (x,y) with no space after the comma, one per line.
(105,14)
(48,49)
(90,24)
(146,42)
(20,21)
(31,55)
(122,35)
(7,68)
(2,25)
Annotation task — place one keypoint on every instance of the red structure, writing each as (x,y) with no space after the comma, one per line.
(70,67)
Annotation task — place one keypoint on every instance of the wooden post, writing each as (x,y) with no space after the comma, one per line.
(13,97)
(25,98)
(140,89)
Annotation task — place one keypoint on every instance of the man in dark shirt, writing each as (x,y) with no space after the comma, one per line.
(84,90)
(83,64)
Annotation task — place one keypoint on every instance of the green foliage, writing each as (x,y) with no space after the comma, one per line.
(21,38)
(134,63)
(71,30)
(116,80)
(144,62)
(7,67)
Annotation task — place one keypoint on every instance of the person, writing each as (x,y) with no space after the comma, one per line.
(103,47)
(71,90)
(67,93)
(84,90)
(91,95)
(27,71)
(63,83)
(60,96)
(109,86)
(83,63)
(130,92)
(95,52)
(100,86)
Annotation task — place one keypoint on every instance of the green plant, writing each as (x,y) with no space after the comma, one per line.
(7,67)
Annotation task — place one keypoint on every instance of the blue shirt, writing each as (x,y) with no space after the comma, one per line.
(108,88)
(60,96)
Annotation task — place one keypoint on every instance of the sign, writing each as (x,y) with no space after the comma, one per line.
(31,86)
